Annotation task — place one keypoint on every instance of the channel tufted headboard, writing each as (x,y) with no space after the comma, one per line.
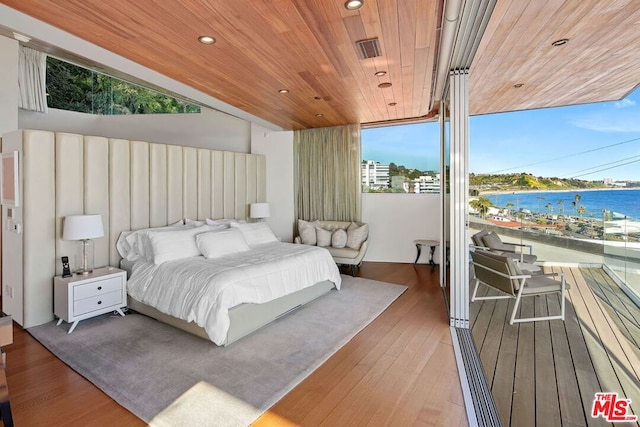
(132,184)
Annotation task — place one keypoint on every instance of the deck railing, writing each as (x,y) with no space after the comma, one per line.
(622,252)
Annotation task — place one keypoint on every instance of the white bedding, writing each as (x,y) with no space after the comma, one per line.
(203,290)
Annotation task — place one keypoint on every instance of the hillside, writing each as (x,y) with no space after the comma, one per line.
(525,181)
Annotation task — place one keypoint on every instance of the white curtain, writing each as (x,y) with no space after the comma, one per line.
(327,173)
(32,73)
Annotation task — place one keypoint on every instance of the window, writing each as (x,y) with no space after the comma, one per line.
(401,159)
(74,88)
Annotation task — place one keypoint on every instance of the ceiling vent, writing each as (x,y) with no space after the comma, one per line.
(368,48)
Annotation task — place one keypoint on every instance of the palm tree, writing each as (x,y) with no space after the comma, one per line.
(509,206)
(581,210)
(549,207)
(561,206)
(540,205)
(482,205)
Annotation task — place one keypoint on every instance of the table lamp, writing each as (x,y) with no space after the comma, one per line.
(259,211)
(83,228)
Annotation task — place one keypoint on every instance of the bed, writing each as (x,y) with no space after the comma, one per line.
(221,280)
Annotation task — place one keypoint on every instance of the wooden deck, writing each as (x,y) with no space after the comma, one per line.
(546,373)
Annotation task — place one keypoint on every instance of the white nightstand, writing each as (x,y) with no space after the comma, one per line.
(80,297)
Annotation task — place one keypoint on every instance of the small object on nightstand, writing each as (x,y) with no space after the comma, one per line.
(84,296)
(66,271)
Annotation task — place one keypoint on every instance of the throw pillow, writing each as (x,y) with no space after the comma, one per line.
(323,237)
(307,232)
(339,238)
(356,235)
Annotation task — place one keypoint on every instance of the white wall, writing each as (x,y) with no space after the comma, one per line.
(278,149)
(396,220)
(209,129)
(8,85)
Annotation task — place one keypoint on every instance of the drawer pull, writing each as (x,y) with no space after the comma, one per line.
(99,288)
(99,302)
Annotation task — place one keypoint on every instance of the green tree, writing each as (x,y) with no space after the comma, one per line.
(482,205)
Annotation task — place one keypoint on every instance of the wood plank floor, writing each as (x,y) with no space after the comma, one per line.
(400,370)
(547,373)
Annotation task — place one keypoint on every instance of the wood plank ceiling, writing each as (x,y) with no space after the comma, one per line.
(305,46)
(600,61)
(308,47)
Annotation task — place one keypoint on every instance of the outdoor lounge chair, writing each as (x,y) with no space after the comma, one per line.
(488,240)
(503,274)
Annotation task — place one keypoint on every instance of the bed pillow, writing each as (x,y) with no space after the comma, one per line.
(223,221)
(339,238)
(215,244)
(175,244)
(194,222)
(255,233)
(356,235)
(129,243)
(323,237)
(307,231)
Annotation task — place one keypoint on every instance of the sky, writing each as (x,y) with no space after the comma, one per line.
(590,142)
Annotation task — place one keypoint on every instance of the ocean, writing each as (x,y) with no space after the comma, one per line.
(625,202)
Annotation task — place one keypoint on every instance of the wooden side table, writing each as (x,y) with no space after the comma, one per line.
(432,244)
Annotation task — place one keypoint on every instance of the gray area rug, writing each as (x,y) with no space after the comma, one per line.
(168,377)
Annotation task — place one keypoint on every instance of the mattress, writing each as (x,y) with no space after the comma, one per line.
(203,290)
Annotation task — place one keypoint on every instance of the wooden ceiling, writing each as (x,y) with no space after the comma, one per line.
(308,47)
(305,46)
(600,61)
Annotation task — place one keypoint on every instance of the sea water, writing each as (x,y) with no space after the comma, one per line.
(623,202)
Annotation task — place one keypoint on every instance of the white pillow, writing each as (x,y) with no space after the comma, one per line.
(194,222)
(356,235)
(223,221)
(255,233)
(307,231)
(323,237)
(130,244)
(215,244)
(339,238)
(175,244)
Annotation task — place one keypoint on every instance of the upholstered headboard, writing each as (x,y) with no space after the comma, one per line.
(132,184)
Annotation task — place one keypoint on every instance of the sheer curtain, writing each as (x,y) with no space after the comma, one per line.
(327,173)
(32,73)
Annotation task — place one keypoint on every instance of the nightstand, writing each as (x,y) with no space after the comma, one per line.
(81,297)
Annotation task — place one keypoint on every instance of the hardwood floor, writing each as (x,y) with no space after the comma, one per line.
(400,370)
(547,373)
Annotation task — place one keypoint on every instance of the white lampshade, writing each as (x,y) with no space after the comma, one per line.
(79,227)
(259,210)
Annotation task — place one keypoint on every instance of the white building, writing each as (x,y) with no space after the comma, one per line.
(424,184)
(375,175)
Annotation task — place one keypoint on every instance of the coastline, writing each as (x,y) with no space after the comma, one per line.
(575,190)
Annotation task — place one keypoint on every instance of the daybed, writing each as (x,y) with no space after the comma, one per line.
(221,281)
(346,241)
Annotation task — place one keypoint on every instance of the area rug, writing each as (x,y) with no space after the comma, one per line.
(168,377)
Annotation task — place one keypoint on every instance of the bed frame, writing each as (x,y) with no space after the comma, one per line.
(245,318)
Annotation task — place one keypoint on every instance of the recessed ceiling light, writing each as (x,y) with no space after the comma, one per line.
(380,73)
(319,115)
(560,42)
(384,85)
(518,85)
(393,104)
(206,40)
(283,91)
(354,4)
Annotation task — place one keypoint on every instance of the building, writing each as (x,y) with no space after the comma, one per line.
(276,70)
(375,175)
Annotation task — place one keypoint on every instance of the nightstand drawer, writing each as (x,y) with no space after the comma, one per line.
(97,288)
(99,302)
